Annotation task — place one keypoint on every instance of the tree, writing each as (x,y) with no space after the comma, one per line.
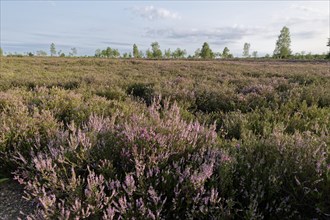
(108,52)
(1,52)
(246,50)
(41,53)
(98,53)
(255,54)
(125,55)
(178,53)
(282,49)
(141,54)
(149,54)
(73,52)
(135,51)
(226,53)
(217,54)
(167,53)
(52,50)
(197,53)
(206,52)
(104,53)
(156,52)
(115,53)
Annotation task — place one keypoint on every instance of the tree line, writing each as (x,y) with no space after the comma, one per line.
(282,51)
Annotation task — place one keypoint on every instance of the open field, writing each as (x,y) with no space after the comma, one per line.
(167,139)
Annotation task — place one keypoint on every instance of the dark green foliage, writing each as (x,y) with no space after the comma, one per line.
(212,102)
(108,53)
(206,52)
(136,52)
(156,52)
(52,50)
(279,177)
(178,53)
(111,94)
(142,91)
(226,53)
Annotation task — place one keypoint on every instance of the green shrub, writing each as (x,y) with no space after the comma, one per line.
(214,101)
(238,140)
(277,175)
(142,91)
(111,94)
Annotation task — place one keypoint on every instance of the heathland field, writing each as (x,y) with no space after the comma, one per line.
(93,138)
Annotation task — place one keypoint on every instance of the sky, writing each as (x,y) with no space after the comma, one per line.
(28,26)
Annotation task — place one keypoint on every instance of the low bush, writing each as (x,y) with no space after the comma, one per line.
(230,140)
(111,93)
(142,91)
(284,176)
(165,159)
(208,102)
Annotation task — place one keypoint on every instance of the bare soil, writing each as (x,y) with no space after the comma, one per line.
(12,204)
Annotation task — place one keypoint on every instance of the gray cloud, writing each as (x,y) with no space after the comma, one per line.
(83,39)
(33,45)
(305,9)
(116,43)
(296,34)
(303,20)
(221,35)
(58,36)
(306,34)
(153,13)
(52,3)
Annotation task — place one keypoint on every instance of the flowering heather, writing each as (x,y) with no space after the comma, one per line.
(241,141)
(164,159)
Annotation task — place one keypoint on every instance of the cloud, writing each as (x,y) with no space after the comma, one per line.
(306,34)
(302,15)
(152,13)
(116,43)
(220,35)
(52,3)
(32,46)
(303,20)
(305,9)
